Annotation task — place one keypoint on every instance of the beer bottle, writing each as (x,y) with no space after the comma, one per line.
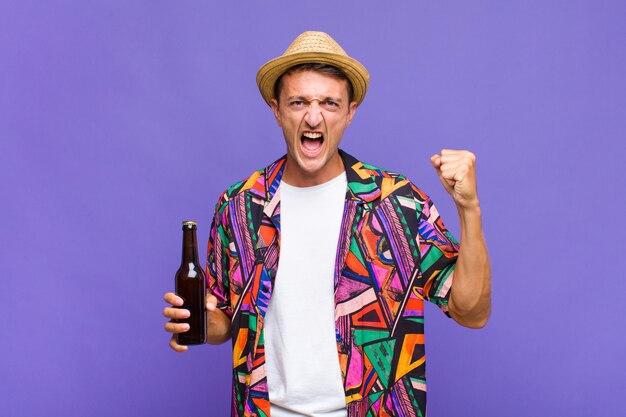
(191,287)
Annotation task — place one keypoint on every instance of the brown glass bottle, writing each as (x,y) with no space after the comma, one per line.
(191,287)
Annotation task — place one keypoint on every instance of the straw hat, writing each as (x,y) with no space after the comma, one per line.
(313,47)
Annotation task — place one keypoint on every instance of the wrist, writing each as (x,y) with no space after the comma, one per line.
(470,209)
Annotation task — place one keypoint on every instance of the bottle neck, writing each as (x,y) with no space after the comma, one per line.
(190,247)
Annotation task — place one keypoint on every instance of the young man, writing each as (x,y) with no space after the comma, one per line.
(336,327)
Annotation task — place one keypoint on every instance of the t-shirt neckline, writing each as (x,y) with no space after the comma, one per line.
(339,179)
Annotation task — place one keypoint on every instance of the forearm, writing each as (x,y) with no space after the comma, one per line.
(470,300)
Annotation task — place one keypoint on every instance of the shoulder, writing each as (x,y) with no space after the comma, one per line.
(380,182)
(377,172)
(380,187)
(235,190)
(261,184)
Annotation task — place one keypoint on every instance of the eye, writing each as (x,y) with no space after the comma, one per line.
(330,105)
(296,103)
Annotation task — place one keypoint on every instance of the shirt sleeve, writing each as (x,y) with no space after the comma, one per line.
(218,261)
(438,254)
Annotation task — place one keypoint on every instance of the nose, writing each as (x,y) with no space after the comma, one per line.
(313,116)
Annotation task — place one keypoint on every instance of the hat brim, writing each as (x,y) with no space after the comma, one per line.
(272,70)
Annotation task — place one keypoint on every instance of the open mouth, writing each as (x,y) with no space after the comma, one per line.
(311,143)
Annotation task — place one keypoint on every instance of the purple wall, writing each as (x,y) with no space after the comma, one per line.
(119,119)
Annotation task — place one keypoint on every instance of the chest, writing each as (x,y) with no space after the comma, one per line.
(374,255)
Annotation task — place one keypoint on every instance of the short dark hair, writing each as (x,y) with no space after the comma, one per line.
(331,70)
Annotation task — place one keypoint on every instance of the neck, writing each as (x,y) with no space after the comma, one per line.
(296,176)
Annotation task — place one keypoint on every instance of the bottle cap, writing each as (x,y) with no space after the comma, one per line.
(189,223)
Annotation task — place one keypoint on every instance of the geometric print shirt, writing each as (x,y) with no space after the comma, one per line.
(393,253)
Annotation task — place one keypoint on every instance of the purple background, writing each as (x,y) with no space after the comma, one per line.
(119,119)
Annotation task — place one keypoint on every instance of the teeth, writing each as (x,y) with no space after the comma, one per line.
(311,135)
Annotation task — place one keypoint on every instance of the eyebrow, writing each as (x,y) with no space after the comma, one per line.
(335,99)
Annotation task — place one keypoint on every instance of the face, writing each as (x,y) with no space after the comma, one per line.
(313,113)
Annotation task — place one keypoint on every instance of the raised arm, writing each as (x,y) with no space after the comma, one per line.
(470,299)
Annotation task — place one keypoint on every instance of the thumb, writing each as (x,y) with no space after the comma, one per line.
(436,161)
(448,185)
(211,302)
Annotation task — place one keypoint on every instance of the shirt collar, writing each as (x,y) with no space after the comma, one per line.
(362,185)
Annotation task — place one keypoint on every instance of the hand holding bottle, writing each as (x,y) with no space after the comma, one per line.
(174,312)
(194,317)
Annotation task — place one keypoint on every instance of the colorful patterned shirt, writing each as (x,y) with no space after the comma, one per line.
(393,253)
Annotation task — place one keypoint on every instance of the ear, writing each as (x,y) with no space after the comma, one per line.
(274,106)
(351,111)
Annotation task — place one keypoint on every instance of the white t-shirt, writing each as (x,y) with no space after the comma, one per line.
(303,374)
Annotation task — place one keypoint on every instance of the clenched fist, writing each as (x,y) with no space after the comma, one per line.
(457,172)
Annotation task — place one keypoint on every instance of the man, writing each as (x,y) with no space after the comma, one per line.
(336,327)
